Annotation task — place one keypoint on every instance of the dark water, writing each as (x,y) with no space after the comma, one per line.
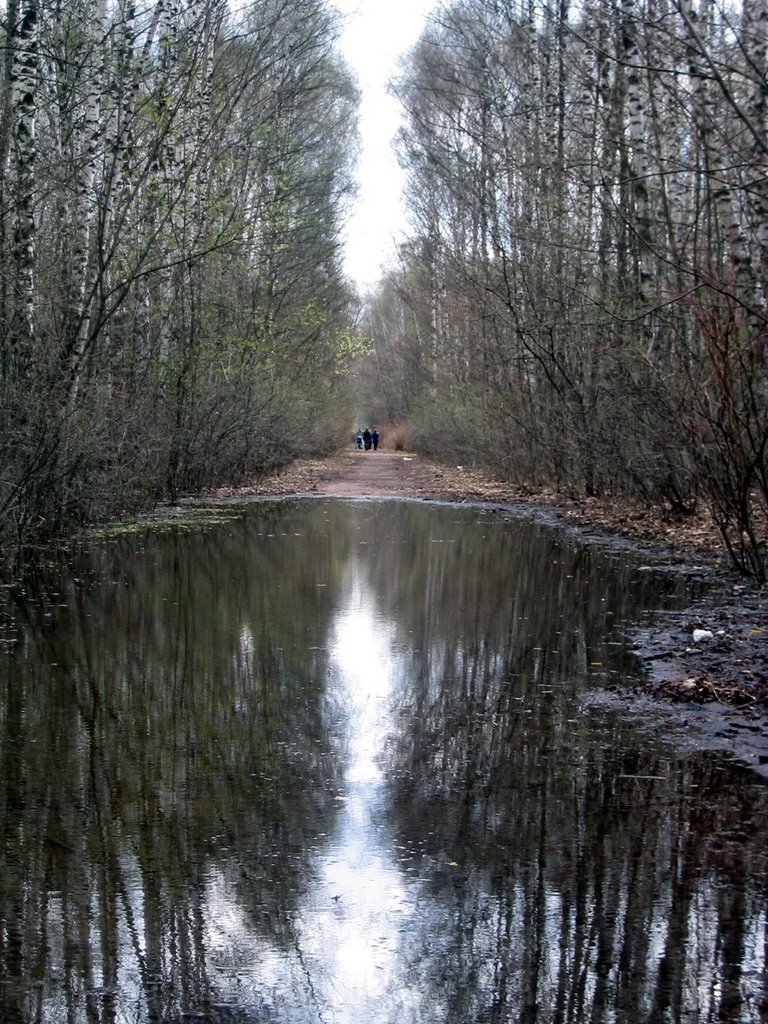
(333,762)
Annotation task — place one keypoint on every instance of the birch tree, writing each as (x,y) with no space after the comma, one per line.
(174,183)
(21,110)
(589,191)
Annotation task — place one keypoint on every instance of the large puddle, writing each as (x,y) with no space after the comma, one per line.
(337,762)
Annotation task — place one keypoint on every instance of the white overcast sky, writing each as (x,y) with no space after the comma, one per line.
(376,33)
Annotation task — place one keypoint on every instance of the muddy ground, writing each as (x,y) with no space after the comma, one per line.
(706,666)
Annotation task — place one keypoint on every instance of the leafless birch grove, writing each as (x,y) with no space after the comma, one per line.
(173,312)
(584,302)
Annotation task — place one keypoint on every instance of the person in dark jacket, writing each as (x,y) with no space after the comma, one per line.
(367,439)
(375,438)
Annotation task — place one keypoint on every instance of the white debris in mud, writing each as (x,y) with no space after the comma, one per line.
(702,634)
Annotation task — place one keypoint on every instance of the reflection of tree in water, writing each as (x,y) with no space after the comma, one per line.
(132,778)
(572,875)
(168,769)
(589,897)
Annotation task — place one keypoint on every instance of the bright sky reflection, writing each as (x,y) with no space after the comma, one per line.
(357,910)
(357,904)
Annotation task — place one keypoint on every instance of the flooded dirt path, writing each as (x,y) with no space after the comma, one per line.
(323,760)
(715,686)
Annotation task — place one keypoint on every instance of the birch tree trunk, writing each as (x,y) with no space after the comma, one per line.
(638,153)
(85,211)
(5,150)
(23,44)
(756,54)
(725,228)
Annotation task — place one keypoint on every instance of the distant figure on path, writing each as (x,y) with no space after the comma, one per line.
(367,439)
(375,438)
(359,438)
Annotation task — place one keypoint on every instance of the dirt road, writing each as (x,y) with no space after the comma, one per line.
(379,474)
(353,473)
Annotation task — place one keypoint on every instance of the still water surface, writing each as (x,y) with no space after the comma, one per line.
(337,762)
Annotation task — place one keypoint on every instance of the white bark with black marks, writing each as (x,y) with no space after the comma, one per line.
(23,113)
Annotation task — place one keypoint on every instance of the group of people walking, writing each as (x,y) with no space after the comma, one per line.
(367,439)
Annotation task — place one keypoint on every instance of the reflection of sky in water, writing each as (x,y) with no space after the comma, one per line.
(356,907)
(356,912)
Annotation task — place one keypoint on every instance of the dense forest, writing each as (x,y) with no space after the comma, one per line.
(581,303)
(173,311)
